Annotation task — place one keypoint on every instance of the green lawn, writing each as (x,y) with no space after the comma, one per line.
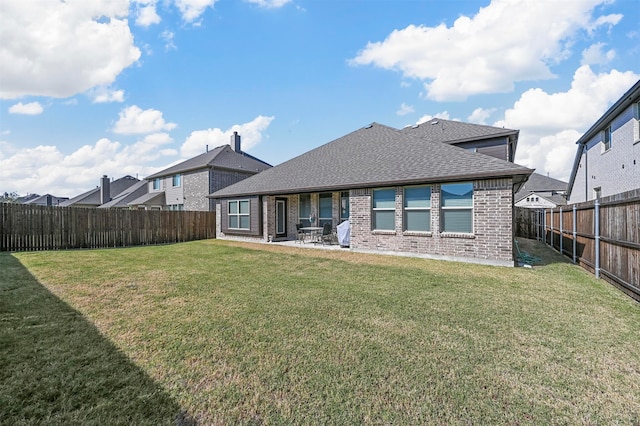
(215,332)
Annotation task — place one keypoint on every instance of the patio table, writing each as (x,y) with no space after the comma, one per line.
(313,232)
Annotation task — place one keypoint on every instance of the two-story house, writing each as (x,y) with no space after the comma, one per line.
(541,192)
(608,158)
(185,186)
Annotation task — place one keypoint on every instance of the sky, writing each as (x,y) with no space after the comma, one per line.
(116,87)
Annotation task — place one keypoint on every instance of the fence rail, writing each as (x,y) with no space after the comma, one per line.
(602,236)
(29,228)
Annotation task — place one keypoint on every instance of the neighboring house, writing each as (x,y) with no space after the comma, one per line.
(401,194)
(121,200)
(541,192)
(494,141)
(186,186)
(102,194)
(608,158)
(46,200)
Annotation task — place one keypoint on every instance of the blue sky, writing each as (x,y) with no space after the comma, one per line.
(116,87)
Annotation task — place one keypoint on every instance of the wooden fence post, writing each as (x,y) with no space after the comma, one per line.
(575,232)
(596,233)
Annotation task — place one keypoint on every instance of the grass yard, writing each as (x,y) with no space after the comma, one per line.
(215,332)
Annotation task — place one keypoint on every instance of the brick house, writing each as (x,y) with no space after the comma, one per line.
(607,161)
(401,193)
(186,186)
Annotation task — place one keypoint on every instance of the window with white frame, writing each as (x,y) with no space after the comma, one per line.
(456,201)
(238,214)
(607,138)
(417,208)
(384,209)
(175,181)
(156,184)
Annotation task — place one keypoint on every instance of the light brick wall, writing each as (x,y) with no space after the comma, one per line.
(492,238)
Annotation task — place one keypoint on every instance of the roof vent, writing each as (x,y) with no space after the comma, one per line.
(415,126)
(434,122)
(368,126)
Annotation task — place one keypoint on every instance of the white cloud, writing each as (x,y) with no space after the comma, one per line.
(103,95)
(168,36)
(146,14)
(505,42)
(551,123)
(44,169)
(133,120)
(193,9)
(94,36)
(271,4)
(251,134)
(405,109)
(595,55)
(32,108)
(481,115)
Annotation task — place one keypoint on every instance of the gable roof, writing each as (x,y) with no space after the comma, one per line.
(222,156)
(131,193)
(92,197)
(540,183)
(46,200)
(374,156)
(453,132)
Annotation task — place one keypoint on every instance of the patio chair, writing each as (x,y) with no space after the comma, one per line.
(327,234)
(299,233)
(525,257)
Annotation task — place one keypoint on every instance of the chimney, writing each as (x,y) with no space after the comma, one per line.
(235,142)
(105,190)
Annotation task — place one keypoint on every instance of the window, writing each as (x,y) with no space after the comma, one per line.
(156,184)
(344,206)
(384,209)
(417,208)
(176,180)
(304,209)
(325,209)
(607,138)
(239,214)
(457,207)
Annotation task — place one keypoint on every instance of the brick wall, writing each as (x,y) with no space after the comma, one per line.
(491,240)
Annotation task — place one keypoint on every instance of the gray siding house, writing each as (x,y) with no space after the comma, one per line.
(607,161)
(402,193)
(186,186)
(541,192)
(102,194)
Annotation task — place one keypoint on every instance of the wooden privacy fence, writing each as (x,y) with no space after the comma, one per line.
(602,236)
(27,227)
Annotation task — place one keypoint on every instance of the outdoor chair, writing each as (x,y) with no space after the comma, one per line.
(525,257)
(299,233)
(327,234)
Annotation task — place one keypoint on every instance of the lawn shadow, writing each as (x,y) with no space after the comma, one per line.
(539,249)
(56,367)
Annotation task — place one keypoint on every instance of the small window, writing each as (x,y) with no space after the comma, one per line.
(176,180)
(607,138)
(156,184)
(417,208)
(384,209)
(239,214)
(325,209)
(457,207)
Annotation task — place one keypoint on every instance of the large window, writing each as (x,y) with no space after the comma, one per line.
(304,209)
(457,207)
(325,209)
(417,208)
(384,209)
(176,180)
(239,214)
(344,206)
(156,184)
(607,138)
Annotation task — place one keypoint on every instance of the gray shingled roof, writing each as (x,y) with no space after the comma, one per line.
(373,156)
(134,191)
(451,132)
(92,197)
(540,183)
(222,156)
